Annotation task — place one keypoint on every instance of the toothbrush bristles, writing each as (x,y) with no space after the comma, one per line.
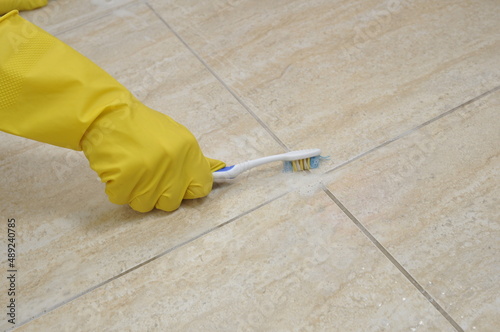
(301,164)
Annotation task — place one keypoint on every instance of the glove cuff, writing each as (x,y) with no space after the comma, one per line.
(8,5)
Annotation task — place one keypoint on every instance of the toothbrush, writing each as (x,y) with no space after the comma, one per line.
(293,161)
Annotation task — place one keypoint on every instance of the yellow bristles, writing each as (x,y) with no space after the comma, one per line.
(301,164)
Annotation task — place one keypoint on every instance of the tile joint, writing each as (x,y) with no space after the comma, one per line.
(235,96)
(393,260)
(164,253)
(414,129)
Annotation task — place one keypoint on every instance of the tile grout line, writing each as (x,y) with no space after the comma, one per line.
(412,130)
(393,260)
(160,255)
(235,96)
(365,231)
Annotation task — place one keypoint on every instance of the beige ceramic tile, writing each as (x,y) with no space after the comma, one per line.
(432,199)
(344,76)
(61,15)
(70,237)
(11,145)
(296,264)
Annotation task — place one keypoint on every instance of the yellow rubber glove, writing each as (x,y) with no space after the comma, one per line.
(8,5)
(51,93)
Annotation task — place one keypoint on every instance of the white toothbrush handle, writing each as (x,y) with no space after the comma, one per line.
(245,166)
(237,169)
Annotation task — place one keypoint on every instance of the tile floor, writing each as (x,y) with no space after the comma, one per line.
(398,231)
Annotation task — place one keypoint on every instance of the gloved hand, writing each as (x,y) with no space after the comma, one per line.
(147,159)
(8,5)
(51,93)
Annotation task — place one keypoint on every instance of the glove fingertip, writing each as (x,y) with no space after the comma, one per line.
(139,207)
(168,204)
(198,190)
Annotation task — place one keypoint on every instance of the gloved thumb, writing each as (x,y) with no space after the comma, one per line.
(215,164)
(200,188)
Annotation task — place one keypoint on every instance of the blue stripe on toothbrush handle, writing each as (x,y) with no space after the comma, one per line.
(225,169)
